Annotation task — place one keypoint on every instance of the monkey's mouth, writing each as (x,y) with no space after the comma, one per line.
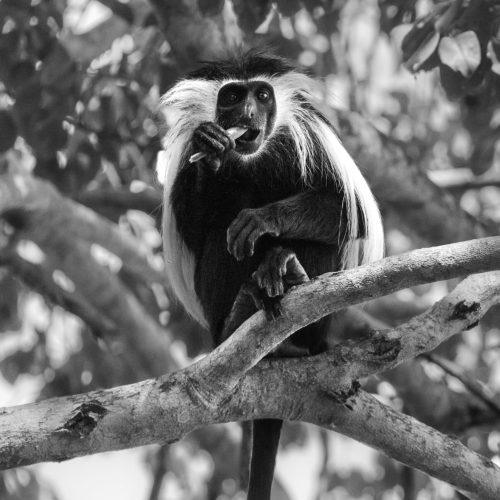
(249,136)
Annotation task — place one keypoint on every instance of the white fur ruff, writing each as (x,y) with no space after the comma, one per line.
(191,102)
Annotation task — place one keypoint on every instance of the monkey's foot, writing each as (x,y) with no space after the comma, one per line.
(279,270)
(270,305)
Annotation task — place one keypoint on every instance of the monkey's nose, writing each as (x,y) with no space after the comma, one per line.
(250,108)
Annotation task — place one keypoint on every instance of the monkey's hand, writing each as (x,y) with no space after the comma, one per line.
(248,226)
(214,141)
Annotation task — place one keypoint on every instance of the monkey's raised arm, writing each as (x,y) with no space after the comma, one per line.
(315,215)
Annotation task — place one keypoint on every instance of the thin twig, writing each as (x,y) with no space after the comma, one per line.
(471,384)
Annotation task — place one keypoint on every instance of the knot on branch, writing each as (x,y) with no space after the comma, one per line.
(344,396)
(373,347)
(84,419)
(463,310)
(384,349)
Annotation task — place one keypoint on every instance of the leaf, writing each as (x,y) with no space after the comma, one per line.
(461,53)
(8,131)
(454,83)
(398,33)
(424,52)
(421,31)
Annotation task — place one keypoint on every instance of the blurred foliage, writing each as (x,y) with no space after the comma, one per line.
(80,82)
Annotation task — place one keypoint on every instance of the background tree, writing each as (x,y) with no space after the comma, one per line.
(413,87)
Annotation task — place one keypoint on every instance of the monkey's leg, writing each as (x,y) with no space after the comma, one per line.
(279,270)
(262,437)
(243,307)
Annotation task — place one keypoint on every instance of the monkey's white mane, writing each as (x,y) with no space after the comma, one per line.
(193,101)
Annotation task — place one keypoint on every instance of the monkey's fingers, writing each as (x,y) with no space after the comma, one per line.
(214,162)
(268,282)
(208,142)
(275,275)
(245,231)
(237,234)
(270,305)
(269,274)
(236,244)
(211,141)
(295,272)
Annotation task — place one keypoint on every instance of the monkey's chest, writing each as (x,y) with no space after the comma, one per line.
(219,276)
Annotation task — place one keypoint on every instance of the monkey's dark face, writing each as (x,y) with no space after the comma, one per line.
(251,105)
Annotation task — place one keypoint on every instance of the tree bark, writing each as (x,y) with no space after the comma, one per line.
(321,389)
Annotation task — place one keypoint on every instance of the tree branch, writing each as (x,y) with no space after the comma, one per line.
(65,234)
(415,444)
(149,200)
(333,291)
(438,406)
(427,211)
(44,205)
(471,384)
(320,389)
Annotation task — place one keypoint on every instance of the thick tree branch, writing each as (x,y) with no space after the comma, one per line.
(149,200)
(439,406)
(45,206)
(321,389)
(334,291)
(415,444)
(66,234)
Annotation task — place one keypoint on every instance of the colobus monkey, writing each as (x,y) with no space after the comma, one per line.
(282,202)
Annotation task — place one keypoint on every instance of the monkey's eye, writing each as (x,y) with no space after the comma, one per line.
(263,95)
(231,95)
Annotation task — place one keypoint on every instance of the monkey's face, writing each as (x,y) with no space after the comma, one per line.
(251,105)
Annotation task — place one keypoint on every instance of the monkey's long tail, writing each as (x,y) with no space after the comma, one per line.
(266,436)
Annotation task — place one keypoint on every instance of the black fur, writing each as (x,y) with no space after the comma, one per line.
(243,66)
(205,203)
(207,198)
